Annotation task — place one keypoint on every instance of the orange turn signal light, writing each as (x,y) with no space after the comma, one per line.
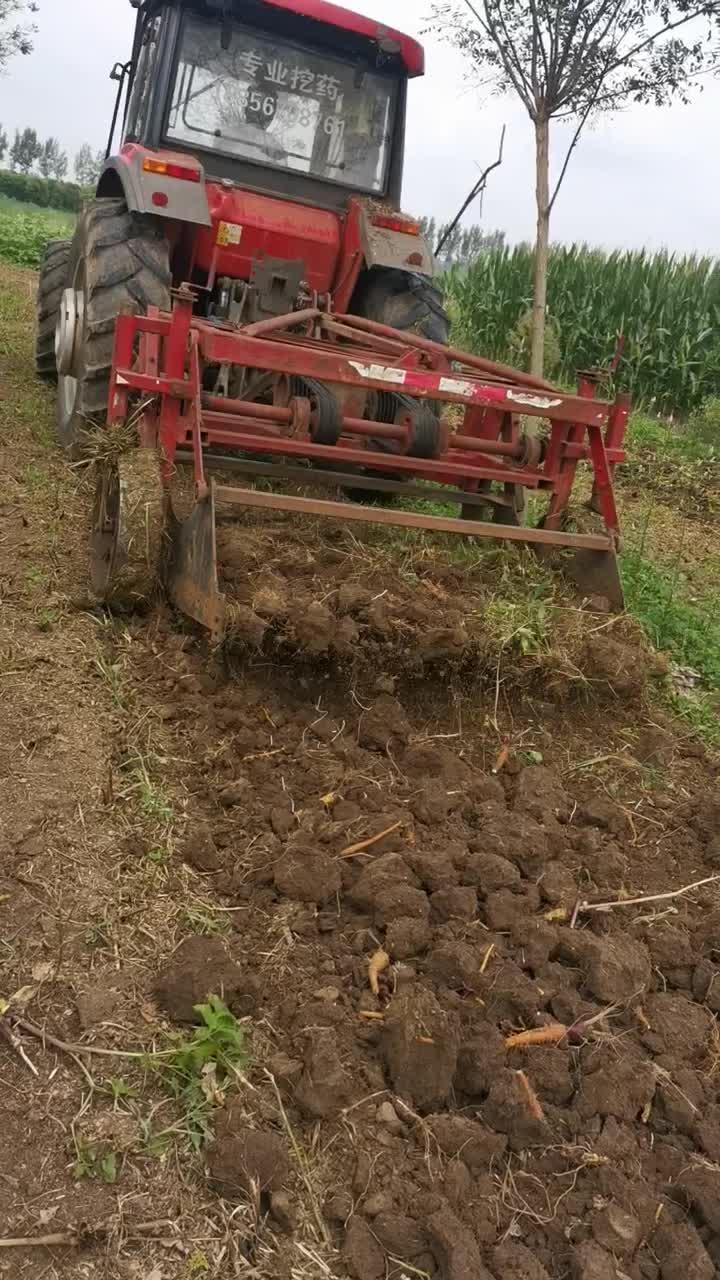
(391,222)
(171,170)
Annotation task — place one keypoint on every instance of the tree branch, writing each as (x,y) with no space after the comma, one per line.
(511,66)
(477,188)
(650,40)
(571,148)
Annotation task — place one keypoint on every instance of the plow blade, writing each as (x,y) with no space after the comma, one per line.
(596,573)
(191,573)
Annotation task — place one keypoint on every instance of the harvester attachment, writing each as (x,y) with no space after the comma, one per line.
(317,400)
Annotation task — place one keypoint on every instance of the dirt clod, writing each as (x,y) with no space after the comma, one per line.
(591,1262)
(200,968)
(407,937)
(307,874)
(479,1061)
(241,1158)
(364,1257)
(325,1086)
(617,1230)
(470,1141)
(199,848)
(516,1262)
(454,1248)
(420,1049)
(682,1254)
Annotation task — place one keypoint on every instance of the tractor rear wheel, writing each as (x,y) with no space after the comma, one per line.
(402,300)
(53,276)
(118,262)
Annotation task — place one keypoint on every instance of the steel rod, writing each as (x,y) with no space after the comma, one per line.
(409,519)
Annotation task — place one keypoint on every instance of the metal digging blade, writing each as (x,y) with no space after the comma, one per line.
(596,573)
(191,580)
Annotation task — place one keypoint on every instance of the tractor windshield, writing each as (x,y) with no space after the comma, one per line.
(278,104)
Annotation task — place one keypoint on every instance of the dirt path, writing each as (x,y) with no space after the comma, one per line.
(177,826)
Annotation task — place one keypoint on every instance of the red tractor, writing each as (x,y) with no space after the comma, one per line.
(245,293)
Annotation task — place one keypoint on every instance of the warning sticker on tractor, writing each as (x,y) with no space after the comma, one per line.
(380,372)
(532,401)
(229,233)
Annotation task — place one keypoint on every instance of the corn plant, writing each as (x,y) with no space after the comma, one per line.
(666,306)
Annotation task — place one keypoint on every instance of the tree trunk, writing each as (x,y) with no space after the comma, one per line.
(542,244)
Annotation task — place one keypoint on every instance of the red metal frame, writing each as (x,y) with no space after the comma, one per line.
(163,355)
(334,15)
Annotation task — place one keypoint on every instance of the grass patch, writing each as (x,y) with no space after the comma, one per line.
(694,441)
(688,631)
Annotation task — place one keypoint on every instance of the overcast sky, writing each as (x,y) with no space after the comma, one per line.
(645,177)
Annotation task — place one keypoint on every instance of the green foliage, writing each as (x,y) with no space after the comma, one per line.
(44,192)
(704,424)
(94,1162)
(16,35)
(23,235)
(688,630)
(26,149)
(667,308)
(197,1070)
(520,341)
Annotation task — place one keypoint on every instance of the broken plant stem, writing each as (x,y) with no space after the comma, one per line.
(585,907)
(301,1160)
(7,1034)
(83,1234)
(362,845)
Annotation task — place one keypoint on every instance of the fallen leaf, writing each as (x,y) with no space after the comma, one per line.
(329,799)
(23,997)
(557,914)
(43,970)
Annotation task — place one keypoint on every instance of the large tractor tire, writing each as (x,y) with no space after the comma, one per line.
(402,300)
(53,277)
(118,262)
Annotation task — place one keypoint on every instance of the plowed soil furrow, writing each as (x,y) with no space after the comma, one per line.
(387,869)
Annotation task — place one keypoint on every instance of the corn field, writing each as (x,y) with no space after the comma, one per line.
(667,308)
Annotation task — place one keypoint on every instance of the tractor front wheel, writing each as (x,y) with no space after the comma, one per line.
(53,276)
(118,262)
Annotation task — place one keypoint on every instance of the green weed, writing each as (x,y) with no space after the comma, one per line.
(204,922)
(197,1071)
(93,1162)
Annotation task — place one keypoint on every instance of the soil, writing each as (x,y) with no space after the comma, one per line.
(177,823)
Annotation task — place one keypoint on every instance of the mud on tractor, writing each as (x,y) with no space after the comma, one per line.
(244,295)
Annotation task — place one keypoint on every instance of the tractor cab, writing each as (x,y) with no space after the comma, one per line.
(297,97)
(269,137)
